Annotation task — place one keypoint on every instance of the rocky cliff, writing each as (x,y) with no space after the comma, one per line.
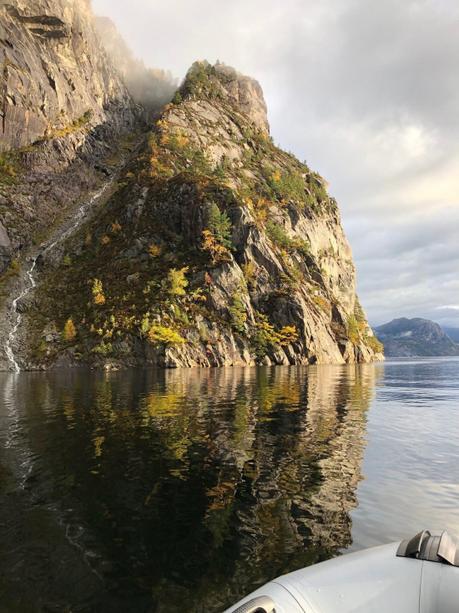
(217,248)
(416,337)
(64,111)
(53,71)
(210,246)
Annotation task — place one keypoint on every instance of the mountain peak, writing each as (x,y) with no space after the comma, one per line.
(227,84)
(405,337)
(205,244)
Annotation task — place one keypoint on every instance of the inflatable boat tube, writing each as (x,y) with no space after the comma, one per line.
(419,575)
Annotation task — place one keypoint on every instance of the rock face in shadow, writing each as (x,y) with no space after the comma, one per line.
(5,248)
(217,249)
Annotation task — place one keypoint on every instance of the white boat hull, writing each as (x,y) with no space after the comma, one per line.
(375,580)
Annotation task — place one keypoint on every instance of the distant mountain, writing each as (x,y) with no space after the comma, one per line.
(415,337)
(453,333)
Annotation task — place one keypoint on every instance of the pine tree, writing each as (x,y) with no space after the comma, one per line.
(220,226)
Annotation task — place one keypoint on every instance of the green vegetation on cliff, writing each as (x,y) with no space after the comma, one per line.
(210,251)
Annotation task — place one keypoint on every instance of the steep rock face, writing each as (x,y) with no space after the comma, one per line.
(218,249)
(54,71)
(64,111)
(416,337)
(5,247)
(245,93)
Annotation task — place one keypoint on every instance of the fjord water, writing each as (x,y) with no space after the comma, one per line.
(183,490)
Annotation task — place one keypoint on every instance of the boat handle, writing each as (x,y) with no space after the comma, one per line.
(261,604)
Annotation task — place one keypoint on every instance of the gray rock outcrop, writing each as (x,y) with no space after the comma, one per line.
(54,72)
(5,249)
(231,250)
(213,247)
(64,114)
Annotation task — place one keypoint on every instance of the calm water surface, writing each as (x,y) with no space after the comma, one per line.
(170,491)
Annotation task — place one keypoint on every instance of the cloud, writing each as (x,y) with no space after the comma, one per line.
(367,93)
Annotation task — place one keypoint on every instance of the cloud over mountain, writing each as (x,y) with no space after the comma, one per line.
(367,92)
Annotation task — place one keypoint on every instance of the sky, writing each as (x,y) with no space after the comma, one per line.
(367,92)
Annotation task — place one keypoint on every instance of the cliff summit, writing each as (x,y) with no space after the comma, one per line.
(210,247)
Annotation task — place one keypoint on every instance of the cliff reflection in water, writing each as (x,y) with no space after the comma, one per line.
(186,487)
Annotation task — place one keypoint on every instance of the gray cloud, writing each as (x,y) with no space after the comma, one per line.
(366,92)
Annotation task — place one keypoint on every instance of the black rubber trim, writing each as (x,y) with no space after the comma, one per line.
(261,604)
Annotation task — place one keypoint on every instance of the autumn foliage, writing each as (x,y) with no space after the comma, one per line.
(69,333)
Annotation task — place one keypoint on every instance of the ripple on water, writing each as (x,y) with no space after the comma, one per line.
(140,490)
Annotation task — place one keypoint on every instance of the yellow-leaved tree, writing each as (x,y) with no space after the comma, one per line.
(98,292)
(176,282)
(69,332)
(164,335)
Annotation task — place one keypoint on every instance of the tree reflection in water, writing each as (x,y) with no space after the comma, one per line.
(184,489)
